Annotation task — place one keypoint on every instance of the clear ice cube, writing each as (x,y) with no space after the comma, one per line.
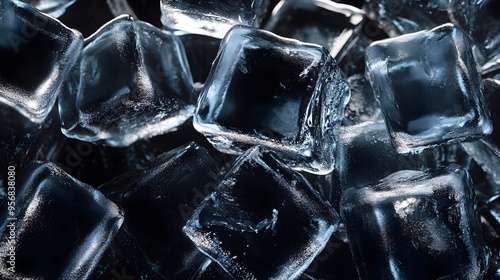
(366,155)
(37,53)
(399,17)
(213,18)
(428,87)
(481,20)
(55,8)
(264,220)
(280,93)
(61,227)
(167,194)
(132,82)
(323,22)
(416,225)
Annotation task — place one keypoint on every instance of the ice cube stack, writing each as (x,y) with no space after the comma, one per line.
(249,139)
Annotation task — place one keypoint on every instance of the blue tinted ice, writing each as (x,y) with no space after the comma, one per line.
(323,22)
(167,193)
(276,92)
(212,18)
(264,220)
(428,87)
(54,8)
(416,225)
(131,82)
(62,229)
(399,17)
(36,54)
(481,20)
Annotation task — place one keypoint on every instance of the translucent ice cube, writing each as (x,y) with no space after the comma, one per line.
(212,18)
(264,220)
(36,54)
(416,225)
(428,87)
(481,20)
(54,8)
(276,92)
(366,155)
(61,227)
(323,22)
(131,82)
(399,17)
(167,194)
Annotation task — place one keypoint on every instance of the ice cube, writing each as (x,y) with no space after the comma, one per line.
(37,52)
(323,22)
(167,194)
(264,220)
(429,88)
(366,155)
(399,17)
(416,225)
(481,20)
(60,226)
(280,93)
(212,18)
(132,82)
(54,8)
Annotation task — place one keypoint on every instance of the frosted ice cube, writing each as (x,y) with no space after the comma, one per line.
(62,226)
(323,22)
(264,220)
(399,17)
(212,18)
(280,93)
(132,82)
(37,52)
(481,20)
(54,8)
(416,225)
(167,194)
(428,87)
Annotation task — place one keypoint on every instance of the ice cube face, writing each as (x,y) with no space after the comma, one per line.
(212,18)
(323,22)
(481,20)
(416,225)
(428,87)
(61,222)
(167,194)
(131,82)
(37,53)
(264,220)
(55,8)
(272,91)
(399,17)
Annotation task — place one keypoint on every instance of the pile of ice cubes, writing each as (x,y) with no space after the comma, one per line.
(250,139)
